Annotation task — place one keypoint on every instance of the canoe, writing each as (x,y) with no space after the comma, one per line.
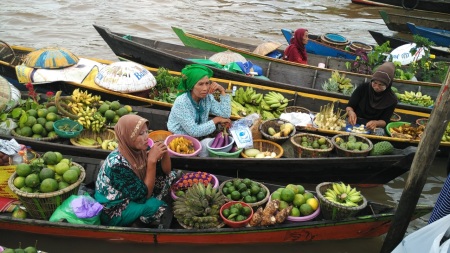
(316,46)
(442,53)
(439,36)
(372,221)
(397,22)
(297,98)
(442,6)
(279,74)
(362,170)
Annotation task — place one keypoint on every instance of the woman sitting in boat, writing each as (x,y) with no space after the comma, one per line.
(373,103)
(195,102)
(296,51)
(134,178)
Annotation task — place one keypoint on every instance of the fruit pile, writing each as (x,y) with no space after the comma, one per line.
(351,144)
(182,145)
(89,110)
(343,194)
(29,249)
(301,202)
(189,179)
(415,98)
(247,101)
(314,142)
(338,83)
(406,131)
(37,123)
(51,172)
(283,130)
(237,212)
(199,207)
(245,190)
(256,153)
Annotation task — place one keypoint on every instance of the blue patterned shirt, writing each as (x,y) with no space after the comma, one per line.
(182,115)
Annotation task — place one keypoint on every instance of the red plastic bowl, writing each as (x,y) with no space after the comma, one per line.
(215,181)
(235,224)
(195,142)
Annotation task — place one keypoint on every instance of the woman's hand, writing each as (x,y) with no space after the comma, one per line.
(157,152)
(215,86)
(351,117)
(223,121)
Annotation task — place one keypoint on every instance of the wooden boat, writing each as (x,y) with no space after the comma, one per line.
(397,21)
(362,170)
(316,46)
(372,221)
(442,6)
(297,98)
(279,74)
(442,53)
(439,36)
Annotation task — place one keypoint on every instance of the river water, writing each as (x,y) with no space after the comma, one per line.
(69,24)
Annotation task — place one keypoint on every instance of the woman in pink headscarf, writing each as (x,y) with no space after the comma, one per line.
(296,51)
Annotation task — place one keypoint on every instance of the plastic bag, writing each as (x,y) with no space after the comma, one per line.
(241,132)
(427,239)
(6,126)
(78,209)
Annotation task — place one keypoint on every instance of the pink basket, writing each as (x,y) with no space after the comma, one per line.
(195,142)
(214,180)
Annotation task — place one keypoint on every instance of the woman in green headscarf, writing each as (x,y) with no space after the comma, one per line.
(195,102)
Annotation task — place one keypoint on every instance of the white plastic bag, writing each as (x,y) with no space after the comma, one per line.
(427,239)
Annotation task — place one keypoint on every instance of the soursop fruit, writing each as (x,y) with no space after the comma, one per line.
(382,148)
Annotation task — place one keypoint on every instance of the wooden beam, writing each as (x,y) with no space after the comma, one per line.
(420,167)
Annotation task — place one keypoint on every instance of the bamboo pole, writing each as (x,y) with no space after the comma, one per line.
(419,168)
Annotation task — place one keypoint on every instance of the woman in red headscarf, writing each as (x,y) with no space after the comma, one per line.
(296,51)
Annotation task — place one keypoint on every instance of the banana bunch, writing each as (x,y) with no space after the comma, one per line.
(91,119)
(247,96)
(109,144)
(182,145)
(85,97)
(343,194)
(415,98)
(85,141)
(199,207)
(338,83)
(237,109)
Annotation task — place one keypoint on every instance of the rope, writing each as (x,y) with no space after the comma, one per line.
(408,8)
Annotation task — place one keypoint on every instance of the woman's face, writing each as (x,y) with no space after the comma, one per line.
(141,142)
(378,86)
(201,89)
(305,38)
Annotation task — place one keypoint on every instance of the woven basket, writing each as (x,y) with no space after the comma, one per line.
(305,152)
(351,153)
(159,135)
(334,211)
(42,205)
(275,124)
(422,121)
(265,145)
(105,135)
(13,132)
(296,109)
(253,205)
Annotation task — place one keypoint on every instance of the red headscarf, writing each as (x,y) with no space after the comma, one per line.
(296,51)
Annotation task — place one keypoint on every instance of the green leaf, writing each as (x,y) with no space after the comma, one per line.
(23,119)
(3,117)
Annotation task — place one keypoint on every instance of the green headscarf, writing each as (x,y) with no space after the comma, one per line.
(191,74)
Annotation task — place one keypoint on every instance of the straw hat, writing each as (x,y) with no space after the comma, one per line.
(5,93)
(266,47)
(227,57)
(50,58)
(6,52)
(125,77)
